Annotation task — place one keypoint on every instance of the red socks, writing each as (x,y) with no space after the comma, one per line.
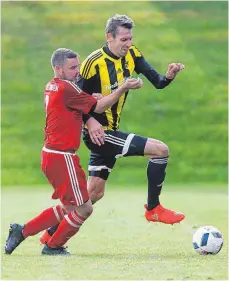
(68,227)
(48,218)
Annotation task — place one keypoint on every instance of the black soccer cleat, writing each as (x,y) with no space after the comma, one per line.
(15,237)
(55,251)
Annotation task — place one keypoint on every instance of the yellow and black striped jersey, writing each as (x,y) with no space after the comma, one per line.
(103,72)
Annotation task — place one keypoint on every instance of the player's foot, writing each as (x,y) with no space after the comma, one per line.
(160,214)
(15,237)
(45,236)
(55,251)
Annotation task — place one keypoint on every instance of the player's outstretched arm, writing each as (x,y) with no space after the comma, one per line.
(159,81)
(107,101)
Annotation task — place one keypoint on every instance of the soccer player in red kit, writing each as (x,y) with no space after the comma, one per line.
(64,105)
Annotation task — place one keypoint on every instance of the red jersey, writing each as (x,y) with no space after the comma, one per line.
(64,105)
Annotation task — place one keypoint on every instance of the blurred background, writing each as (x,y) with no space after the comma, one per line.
(190,116)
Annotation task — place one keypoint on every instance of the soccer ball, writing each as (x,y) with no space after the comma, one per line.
(207,240)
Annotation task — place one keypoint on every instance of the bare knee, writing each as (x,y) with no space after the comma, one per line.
(96,188)
(84,210)
(87,210)
(164,150)
(68,208)
(156,148)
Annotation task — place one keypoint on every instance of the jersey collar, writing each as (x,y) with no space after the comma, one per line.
(109,53)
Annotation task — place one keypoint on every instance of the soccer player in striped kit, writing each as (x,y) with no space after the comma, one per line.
(64,104)
(105,69)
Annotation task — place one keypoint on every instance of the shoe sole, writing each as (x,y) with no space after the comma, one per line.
(52,254)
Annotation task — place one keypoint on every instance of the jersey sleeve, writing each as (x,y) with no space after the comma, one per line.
(142,66)
(75,98)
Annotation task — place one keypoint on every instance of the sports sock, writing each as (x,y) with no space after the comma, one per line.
(68,227)
(156,175)
(53,229)
(49,217)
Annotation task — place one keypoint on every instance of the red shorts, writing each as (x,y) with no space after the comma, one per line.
(66,176)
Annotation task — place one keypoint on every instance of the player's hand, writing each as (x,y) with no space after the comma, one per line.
(133,83)
(98,96)
(173,69)
(96,131)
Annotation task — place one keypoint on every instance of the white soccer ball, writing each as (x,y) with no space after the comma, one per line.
(207,240)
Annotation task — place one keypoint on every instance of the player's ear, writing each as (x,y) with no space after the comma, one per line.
(57,67)
(109,37)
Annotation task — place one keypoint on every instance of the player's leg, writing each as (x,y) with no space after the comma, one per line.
(47,234)
(96,188)
(124,144)
(102,161)
(67,228)
(74,197)
(48,217)
(158,153)
(99,169)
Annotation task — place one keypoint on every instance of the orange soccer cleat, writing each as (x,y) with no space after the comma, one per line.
(45,236)
(160,214)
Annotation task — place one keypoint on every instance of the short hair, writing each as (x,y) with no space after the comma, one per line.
(118,20)
(60,55)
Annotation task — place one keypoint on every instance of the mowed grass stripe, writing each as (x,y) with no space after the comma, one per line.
(191,111)
(117,242)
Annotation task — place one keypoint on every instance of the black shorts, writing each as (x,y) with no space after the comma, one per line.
(117,144)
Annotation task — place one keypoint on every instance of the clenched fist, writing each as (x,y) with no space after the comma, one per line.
(173,69)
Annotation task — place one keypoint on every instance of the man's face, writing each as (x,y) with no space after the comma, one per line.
(70,69)
(120,45)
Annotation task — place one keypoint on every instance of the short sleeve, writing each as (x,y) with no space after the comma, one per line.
(75,98)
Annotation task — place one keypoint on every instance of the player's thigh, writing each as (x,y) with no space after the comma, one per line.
(118,144)
(103,158)
(67,178)
(113,144)
(99,169)
(134,146)
(137,145)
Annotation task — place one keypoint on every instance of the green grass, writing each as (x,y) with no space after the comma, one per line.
(190,116)
(116,242)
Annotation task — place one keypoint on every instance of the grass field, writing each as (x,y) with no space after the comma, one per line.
(190,116)
(116,242)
